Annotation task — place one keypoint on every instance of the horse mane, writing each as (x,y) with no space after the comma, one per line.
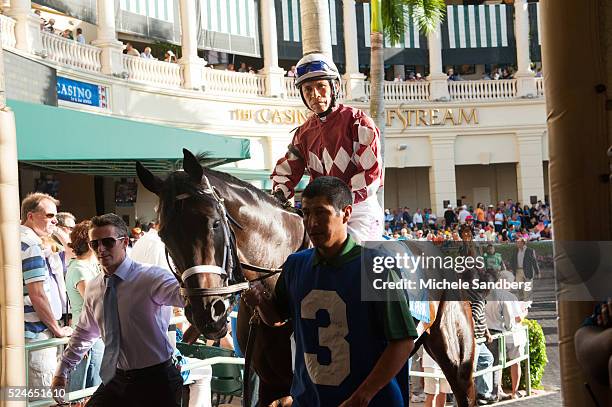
(178,180)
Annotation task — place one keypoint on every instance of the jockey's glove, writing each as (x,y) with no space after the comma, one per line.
(281,198)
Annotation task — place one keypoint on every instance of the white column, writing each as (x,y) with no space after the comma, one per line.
(438,82)
(112,49)
(275,83)
(442,184)
(526,86)
(192,64)
(529,169)
(355,80)
(27,26)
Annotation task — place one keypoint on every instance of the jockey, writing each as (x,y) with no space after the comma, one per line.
(337,140)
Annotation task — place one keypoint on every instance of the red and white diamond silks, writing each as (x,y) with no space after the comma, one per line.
(346,144)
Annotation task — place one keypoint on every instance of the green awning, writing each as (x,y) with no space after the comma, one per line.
(260,178)
(72,141)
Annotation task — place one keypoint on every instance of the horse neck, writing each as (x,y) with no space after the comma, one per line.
(269,233)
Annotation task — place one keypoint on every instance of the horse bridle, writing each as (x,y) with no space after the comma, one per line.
(231,261)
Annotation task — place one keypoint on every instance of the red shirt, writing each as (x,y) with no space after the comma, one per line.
(344,144)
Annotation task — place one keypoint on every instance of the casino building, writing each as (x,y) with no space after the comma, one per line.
(86,110)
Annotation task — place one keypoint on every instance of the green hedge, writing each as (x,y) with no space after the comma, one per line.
(537,357)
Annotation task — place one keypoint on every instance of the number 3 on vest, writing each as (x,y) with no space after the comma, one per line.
(331,337)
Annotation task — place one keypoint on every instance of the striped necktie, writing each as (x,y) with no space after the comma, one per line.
(112,330)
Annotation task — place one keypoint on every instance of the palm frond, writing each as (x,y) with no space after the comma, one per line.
(397,13)
(394,20)
(428,13)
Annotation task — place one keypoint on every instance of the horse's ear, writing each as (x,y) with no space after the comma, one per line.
(192,166)
(148,180)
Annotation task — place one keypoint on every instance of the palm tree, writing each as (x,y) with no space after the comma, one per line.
(316,36)
(389,18)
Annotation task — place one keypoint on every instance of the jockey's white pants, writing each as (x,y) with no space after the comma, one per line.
(367,221)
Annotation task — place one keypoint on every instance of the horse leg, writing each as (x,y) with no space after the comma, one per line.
(451,343)
(274,364)
(270,357)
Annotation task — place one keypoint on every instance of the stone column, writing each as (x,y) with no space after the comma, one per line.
(275,81)
(438,82)
(529,169)
(27,26)
(525,78)
(192,64)
(111,58)
(355,80)
(442,184)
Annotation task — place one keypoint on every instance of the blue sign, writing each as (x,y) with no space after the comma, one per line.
(82,92)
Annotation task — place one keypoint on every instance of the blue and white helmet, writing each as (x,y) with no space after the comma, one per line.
(313,67)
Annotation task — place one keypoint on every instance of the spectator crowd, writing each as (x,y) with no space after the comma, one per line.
(507,221)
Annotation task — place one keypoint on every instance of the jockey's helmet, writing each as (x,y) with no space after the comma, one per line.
(316,66)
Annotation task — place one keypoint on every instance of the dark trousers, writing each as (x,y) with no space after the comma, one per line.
(155,386)
(494,348)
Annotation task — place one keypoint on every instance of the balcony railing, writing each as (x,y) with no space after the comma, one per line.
(217,82)
(71,53)
(151,71)
(403,91)
(539,86)
(475,90)
(291,91)
(236,83)
(7,32)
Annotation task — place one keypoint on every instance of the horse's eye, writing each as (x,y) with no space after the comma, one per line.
(216,224)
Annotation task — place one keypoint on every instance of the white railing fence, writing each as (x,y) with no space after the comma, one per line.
(402,91)
(291,91)
(471,90)
(71,53)
(234,83)
(539,86)
(166,74)
(406,91)
(7,32)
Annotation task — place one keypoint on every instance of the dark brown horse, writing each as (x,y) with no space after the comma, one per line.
(216,227)
(195,229)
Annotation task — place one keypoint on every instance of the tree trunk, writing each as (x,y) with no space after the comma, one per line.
(377,77)
(316,35)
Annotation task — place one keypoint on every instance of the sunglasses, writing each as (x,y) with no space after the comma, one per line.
(107,242)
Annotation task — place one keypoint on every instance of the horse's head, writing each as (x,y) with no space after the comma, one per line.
(194,226)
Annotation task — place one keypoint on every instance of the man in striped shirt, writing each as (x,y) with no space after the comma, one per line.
(41,286)
(483,357)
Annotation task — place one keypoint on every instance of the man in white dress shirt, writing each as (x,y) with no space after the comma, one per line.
(125,306)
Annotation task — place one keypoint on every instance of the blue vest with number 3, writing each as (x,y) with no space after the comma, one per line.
(339,338)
